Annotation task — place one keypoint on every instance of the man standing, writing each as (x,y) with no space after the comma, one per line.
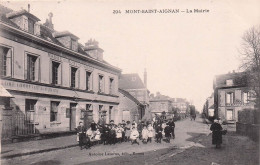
(140,128)
(172,126)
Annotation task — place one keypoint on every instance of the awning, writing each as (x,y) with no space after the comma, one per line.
(4,92)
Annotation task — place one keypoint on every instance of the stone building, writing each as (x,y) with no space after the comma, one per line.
(208,108)
(133,84)
(129,107)
(54,80)
(160,103)
(231,94)
(181,105)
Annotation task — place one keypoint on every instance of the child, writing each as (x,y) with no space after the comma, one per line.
(158,135)
(112,135)
(127,130)
(98,135)
(119,131)
(81,131)
(150,132)
(168,131)
(145,134)
(134,135)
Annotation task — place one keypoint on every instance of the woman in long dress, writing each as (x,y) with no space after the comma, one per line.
(216,133)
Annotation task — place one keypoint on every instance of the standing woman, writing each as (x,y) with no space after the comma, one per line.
(216,133)
(150,132)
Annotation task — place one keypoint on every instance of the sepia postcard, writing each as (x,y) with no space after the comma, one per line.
(142,82)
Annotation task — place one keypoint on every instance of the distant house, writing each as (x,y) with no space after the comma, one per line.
(181,105)
(208,108)
(129,107)
(231,94)
(133,84)
(159,104)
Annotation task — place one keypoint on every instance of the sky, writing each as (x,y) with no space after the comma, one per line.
(182,52)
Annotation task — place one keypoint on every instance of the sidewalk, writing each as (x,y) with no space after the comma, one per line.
(32,147)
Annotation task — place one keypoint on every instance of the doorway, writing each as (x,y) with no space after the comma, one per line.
(73,116)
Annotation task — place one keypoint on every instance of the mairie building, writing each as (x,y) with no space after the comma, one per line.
(53,81)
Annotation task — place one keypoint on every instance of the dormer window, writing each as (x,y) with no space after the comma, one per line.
(229,82)
(67,39)
(26,21)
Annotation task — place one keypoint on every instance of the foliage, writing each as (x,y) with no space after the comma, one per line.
(250,60)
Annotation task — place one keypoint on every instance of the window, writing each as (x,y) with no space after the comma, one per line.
(32,68)
(111,86)
(100,108)
(229,114)
(88,80)
(230,98)
(73,77)
(6,61)
(56,73)
(54,111)
(30,109)
(110,112)
(88,107)
(229,82)
(101,84)
(245,97)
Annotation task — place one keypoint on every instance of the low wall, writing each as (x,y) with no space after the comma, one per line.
(250,130)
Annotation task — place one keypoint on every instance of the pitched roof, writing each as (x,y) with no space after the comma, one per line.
(46,32)
(239,79)
(14,14)
(128,95)
(131,81)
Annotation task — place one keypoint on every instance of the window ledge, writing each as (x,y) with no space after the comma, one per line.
(55,122)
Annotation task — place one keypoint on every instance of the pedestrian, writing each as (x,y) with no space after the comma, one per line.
(105,134)
(112,135)
(158,135)
(119,131)
(150,133)
(168,131)
(172,126)
(93,126)
(81,130)
(216,133)
(134,134)
(145,134)
(140,126)
(123,128)
(127,130)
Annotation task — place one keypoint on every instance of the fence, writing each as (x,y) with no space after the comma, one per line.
(248,123)
(17,124)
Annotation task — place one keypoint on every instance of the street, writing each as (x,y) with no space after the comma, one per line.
(192,145)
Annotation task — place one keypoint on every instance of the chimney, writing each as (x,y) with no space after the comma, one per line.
(29,8)
(145,78)
(48,22)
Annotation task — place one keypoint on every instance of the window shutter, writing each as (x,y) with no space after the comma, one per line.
(59,75)
(238,96)
(77,83)
(222,98)
(37,69)
(37,29)
(27,67)
(9,63)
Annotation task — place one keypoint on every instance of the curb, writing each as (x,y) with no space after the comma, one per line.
(37,152)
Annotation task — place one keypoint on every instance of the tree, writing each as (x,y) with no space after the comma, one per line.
(250,60)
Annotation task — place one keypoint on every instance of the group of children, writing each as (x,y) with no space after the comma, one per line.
(123,132)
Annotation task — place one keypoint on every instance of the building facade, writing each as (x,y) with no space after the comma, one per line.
(129,107)
(231,94)
(160,103)
(54,80)
(181,105)
(133,84)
